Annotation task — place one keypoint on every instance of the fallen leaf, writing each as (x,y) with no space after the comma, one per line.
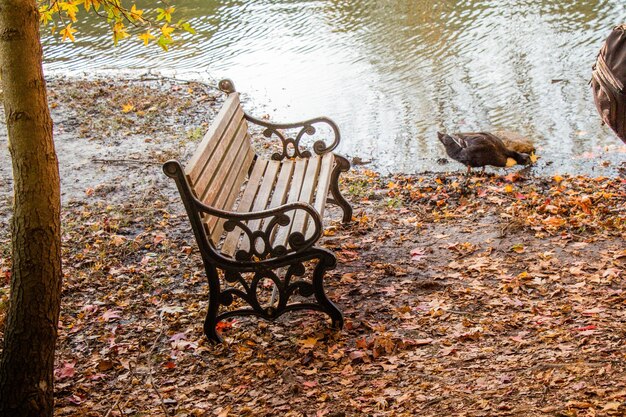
(308,343)
(158,238)
(518,248)
(593,311)
(417,254)
(310,384)
(110,315)
(105,365)
(613,405)
(117,240)
(171,310)
(66,371)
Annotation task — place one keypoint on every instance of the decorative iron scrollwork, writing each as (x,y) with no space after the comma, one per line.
(291,146)
(287,287)
(260,244)
(246,290)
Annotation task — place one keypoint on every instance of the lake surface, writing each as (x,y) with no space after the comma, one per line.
(393,72)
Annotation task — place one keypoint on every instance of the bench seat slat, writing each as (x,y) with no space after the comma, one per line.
(306,194)
(323,185)
(212,138)
(262,198)
(293,196)
(282,184)
(324,182)
(245,204)
(232,196)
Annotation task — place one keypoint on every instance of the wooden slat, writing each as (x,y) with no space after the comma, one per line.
(232,182)
(232,194)
(262,197)
(323,184)
(282,184)
(281,189)
(294,195)
(306,194)
(230,166)
(254,182)
(221,161)
(206,148)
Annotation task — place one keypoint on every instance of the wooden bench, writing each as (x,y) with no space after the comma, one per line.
(256,220)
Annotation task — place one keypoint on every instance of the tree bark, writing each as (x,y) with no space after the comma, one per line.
(27,359)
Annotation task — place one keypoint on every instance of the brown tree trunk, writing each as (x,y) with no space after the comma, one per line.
(27,359)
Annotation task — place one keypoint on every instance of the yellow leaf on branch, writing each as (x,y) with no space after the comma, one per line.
(136,14)
(165,14)
(45,14)
(146,37)
(167,31)
(119,32)
(67,33)
(164,42)
(88,4)
(70,8)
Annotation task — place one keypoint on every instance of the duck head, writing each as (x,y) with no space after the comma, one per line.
(517,158)
(523,159)
(447,140)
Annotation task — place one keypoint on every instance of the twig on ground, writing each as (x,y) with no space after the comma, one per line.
(155,387)
(435,401)
(463,313)
(125,161)
(122,391)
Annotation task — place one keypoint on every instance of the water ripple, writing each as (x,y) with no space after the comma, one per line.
(391,72)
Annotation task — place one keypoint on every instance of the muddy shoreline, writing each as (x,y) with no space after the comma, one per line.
(112,135)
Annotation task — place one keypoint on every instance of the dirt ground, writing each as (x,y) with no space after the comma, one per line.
(497,295)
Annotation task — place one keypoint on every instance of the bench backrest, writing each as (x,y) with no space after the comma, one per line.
(221,162)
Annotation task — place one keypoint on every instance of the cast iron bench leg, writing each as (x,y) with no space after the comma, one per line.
(343,165)
(210,322)
(326,262)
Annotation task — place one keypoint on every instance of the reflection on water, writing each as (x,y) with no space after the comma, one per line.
(393,72)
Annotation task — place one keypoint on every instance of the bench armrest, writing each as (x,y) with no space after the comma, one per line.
(291,146)
(262,243)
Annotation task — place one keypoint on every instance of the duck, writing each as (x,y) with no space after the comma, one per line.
(478,149)
(515,142)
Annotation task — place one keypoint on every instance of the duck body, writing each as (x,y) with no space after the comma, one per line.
(480,149)
(515,142)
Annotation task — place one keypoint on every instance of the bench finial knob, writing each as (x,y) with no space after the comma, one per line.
(226,85)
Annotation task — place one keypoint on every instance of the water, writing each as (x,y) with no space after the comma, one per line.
(393,72)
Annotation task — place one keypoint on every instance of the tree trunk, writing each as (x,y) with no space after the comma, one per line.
(27,360)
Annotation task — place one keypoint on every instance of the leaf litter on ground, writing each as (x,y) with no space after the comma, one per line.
(499,295)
